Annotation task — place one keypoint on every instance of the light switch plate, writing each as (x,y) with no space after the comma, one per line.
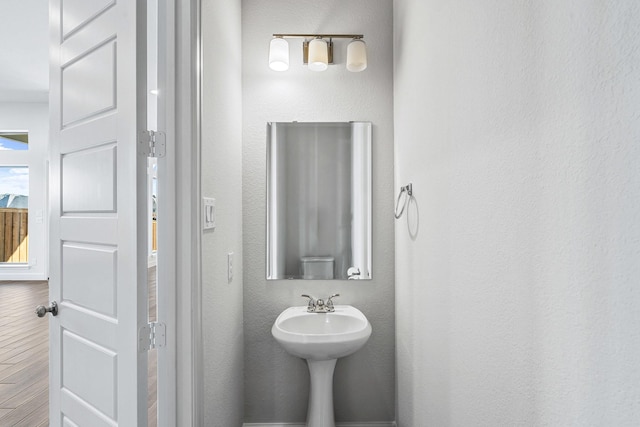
(208,213)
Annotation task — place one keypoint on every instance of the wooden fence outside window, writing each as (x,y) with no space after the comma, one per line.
(14,235)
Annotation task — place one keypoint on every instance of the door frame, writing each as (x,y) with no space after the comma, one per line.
(181,397)
(188,336)
(166,258)
(183,393)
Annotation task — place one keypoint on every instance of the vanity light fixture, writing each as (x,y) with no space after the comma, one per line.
(317,52)
(279,54)
(357,55)
(318,55)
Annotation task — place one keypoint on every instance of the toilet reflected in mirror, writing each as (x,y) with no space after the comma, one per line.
(317,267)
(319,201)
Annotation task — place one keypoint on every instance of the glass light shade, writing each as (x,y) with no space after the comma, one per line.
(279,54)
(357,56)
(318,55)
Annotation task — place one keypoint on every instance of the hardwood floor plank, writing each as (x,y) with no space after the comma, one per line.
(5,390)
(17,415)
(152,360)
(24,355)
(30,364)
(24,394)
(39,415)
(24,341)
(27,352)
(152,415)
(28,376)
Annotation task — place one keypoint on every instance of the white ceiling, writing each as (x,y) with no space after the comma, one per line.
(24,58)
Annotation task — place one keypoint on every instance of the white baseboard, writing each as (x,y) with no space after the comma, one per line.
(18,277)
(348,424)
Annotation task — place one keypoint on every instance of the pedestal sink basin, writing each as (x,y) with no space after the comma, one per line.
(321,338)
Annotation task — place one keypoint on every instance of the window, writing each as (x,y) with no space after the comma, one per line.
(14,214)
(14,141)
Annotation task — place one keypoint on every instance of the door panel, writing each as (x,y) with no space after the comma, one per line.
(80,355)
(98,213)
(88,180)
(89,83)
(95,261)
(78,12)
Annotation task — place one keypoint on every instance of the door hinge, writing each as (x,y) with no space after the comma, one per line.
(152,335)
(152,143)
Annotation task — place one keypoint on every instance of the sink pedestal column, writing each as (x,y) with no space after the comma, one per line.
(320,412)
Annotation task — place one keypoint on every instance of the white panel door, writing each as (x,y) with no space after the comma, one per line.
(98,377)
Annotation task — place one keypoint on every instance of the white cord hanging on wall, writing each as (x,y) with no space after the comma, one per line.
(407,190)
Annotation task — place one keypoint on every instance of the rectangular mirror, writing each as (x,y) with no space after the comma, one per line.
(319,201)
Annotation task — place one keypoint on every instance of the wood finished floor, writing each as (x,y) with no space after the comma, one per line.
(24,355)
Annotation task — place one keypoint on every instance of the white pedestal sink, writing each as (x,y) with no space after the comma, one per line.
(321,338)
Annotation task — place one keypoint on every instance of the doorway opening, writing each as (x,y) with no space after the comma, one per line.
(24,346)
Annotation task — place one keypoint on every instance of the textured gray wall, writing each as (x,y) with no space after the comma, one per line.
(276,384)
(518,123)
(221,179)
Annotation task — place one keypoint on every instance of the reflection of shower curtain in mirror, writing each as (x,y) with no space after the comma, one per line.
(311,198)
(318,193)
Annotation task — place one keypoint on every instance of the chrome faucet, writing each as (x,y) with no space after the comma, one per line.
(311,305)
(319,305)
(329,303)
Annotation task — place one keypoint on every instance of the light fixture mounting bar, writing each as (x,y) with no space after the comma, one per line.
(323,36)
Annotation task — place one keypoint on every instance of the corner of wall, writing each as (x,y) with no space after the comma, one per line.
(221,166)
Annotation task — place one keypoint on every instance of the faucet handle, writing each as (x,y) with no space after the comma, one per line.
(329,302)
(311,306)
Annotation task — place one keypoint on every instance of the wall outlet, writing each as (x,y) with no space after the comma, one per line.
(230,267)
(208,213)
